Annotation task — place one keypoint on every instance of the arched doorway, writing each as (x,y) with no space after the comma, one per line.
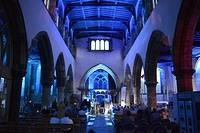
(99,85)
(13,58)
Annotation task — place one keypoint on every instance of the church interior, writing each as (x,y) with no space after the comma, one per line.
(100,66)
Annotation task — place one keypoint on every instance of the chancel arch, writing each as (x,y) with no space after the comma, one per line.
(100,83)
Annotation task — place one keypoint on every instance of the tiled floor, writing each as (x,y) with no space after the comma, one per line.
(100,124)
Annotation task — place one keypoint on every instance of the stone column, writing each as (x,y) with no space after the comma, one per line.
(131,93)
(61,94)
(67,95)
(128,96)
(151,94)
(46,95)
(14,94)
(137,95)
(61,82)
(184,79)
(47,80)
(119,96)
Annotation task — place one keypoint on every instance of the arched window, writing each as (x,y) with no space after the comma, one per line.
(107,45)
(100,84)
(155,2)
(102,45)
(105,85)
(97,45)
(93,47)
(96,84)
(159,85)
(47,2)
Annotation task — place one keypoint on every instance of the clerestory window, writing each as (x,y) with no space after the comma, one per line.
(100,45)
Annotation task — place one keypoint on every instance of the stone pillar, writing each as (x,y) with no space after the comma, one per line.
(119,97)
(67,95)
(137,95)
(128,96)
(151,94)
(184,79)
(61,94)
(46,95)
(14,94)
(61,81)
(131,93)
(47,80)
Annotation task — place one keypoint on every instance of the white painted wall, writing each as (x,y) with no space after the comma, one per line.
(163,18)
(37,19)
(86,60)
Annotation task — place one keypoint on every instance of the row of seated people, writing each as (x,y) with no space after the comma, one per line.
(58,118)
(143,120)
(72,114)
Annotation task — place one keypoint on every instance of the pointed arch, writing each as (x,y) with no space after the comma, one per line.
(60,71)
(157,39)
(18,57)
(70,78)
(96,67)
(127,72)
(42,41)
(138,64)
(128,83)
(187,21)
(137,68)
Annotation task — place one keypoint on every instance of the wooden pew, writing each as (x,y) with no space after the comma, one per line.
(37,128)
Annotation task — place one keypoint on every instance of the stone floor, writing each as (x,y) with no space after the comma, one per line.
(100,124)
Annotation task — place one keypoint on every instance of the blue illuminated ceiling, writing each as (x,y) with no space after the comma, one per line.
(100,17)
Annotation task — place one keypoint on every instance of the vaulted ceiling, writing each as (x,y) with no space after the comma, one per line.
(100,17)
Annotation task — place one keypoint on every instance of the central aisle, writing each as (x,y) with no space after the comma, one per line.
(100,124)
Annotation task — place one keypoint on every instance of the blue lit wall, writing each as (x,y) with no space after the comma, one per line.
(31,87)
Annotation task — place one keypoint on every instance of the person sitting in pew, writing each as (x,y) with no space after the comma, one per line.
(54,120)
(61,117)
(66,120)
